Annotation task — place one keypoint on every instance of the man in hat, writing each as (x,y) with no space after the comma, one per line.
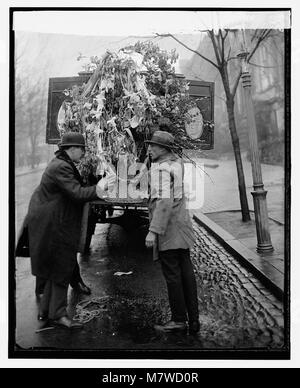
(171,231)
(53,221)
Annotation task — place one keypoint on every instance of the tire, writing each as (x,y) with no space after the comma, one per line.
(110,210)
(92,221)
(88,242)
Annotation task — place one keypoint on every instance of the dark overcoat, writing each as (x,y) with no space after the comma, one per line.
(54,220)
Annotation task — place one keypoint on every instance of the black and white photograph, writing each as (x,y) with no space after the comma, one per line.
(149,195)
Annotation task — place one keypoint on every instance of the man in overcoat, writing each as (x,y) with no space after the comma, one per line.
(171,232)
(54,221)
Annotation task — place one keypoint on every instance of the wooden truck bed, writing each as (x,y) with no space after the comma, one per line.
(123,203)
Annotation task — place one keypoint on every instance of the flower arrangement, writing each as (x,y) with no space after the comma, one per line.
(127,96)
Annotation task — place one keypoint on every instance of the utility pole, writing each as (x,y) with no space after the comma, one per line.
(264,244)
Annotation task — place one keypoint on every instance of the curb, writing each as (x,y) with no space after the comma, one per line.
(271,277)
(251,211)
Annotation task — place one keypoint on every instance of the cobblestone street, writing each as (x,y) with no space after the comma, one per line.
(236,309)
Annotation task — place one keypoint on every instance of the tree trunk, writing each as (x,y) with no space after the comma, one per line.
(32,159)
(238,160)
(33,150)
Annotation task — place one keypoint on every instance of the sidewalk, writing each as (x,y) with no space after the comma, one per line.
(221,216)
(222,193)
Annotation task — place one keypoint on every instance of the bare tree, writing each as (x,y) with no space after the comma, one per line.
(30,113)
(30,100)
(223,49)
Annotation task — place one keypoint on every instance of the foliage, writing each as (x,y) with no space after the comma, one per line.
(135,90)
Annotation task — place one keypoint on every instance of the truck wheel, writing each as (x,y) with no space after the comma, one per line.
(110,210)
(88,242)
(102,213)
(92,221)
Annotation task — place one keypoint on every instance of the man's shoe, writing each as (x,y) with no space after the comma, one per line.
(67,323)
(171,326)
(81,288)
(194,327)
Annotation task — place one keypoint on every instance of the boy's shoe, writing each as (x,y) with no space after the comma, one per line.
(194,327)
(171,326)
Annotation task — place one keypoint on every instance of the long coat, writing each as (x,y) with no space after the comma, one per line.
(54,220)
(168,214)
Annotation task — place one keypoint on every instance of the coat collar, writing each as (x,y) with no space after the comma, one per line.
(61,154)
(166,158)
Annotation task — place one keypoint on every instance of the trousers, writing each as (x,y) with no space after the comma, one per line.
(181,284)
(54,300)
(75,279)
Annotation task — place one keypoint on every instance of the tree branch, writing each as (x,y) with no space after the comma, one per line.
(219,40)
(262,37)
(212,38)
(220,43)
(225,36)
(229,59)
(223,44)
(194,51)
(264,67)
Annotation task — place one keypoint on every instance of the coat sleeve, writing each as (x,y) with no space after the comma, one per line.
(162,195)
(69,185)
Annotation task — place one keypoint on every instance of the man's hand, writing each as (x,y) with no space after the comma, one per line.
(105,183)
(150,239)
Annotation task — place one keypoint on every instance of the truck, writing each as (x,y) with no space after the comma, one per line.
(94,90)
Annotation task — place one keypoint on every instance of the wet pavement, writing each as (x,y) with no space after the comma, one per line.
(24,187)
(236,310)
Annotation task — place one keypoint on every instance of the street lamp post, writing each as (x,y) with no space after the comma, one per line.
(264,243)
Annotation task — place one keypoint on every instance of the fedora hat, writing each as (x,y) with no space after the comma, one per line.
(163,139)
(72,139)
